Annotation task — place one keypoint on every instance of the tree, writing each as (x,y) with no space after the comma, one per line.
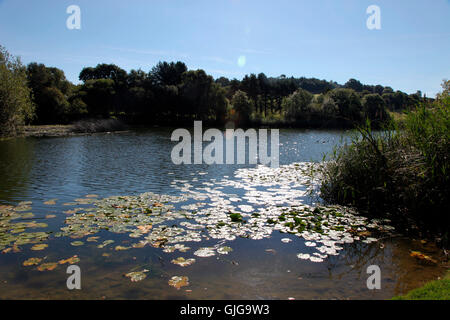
(251,86)
(445,90)
(296,105)
(354,84)
(16,106)
(348,103)
(104,71)
(374,108)
(222,81)
(168,74)
(98,96)
(51,91)
(264,86)
(242,106)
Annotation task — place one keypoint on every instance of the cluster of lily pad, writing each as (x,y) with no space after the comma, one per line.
(15,223)
(266,200)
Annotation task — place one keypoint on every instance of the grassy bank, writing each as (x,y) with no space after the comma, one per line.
(402,174)
(434,290)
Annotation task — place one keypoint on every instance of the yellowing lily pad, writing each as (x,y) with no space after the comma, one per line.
(39,247)
(50,202)
(121,248)
(47,266)
(77,243)
(32,262)
(145,229)
(178,282)
(70,260)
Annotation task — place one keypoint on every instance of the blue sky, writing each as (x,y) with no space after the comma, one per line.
(327,39)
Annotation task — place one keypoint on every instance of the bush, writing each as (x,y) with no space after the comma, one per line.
(403,174)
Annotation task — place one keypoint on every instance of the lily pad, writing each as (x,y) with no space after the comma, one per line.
(121,248)
(39,247)
(70,260)
(32,262)
(178,282)
(224,250)
(136,276)
(77,243)
(47,266)
(183,262)
(205,252)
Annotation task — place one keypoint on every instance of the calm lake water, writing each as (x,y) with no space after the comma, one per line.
(137,162)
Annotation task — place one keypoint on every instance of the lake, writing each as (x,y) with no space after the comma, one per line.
(116,206)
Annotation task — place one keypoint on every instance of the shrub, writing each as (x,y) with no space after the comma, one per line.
(400,173)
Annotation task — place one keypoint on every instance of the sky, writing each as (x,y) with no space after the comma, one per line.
(325,39)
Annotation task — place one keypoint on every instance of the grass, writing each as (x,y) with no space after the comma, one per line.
(434,290)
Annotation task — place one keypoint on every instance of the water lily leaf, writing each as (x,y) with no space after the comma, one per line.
(136,276)
(205,252)
(47,266)
(92,239)
(145,229)
(32,262)
(105,243)
(183,262)
(224,250)
(70,260)
(121,248)
(50,216)
(178,282)
(39,247)
(303,256)
(91,196)
(140,244)
(50,202)
(77,243)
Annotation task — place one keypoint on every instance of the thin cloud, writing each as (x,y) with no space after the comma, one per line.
(163,53)
(218,60)
(254,51)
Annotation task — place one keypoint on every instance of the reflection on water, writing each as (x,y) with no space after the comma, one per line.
(132,163)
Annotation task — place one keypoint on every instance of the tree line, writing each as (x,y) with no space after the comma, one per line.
(170,94)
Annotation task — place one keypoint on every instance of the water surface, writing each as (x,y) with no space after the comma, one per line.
(132,163)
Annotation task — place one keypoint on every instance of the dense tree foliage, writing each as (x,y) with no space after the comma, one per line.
(16,107)
(169,94)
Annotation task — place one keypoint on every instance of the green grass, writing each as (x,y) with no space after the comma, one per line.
(434,290)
